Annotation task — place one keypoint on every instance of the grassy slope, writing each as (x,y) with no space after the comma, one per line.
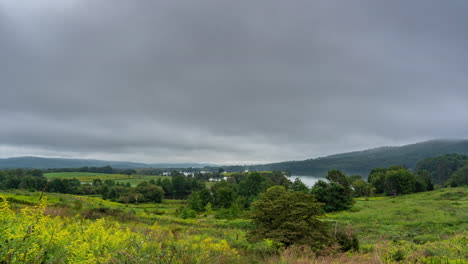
(430,224)
(434,215)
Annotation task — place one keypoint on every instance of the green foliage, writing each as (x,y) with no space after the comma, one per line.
(187,213)
(199,200)
(337,194)
(151,192)
(252,185)
(232,212)
(224,194)
(426,227)
(346,238)
(442,167)
(377,179)
(423,181)
(22,179)
(299,186)
(397,180)
(288,218)
(362,188)
(30,236)
(459,178)
(334,196)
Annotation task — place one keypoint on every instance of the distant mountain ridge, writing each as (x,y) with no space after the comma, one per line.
(362,162)
(53,163)
(356,162)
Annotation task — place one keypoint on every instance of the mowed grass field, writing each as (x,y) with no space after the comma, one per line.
(88,177)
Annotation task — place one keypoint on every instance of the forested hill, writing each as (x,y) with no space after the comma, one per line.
(358,162)
(361,162)
(46,163)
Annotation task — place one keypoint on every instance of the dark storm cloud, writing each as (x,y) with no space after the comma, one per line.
(229,81)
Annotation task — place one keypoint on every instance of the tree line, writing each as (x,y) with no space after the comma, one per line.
(447,170)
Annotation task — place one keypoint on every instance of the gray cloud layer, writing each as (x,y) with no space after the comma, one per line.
(229,81)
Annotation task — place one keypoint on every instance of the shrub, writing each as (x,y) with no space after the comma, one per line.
(346,238)
(288,218)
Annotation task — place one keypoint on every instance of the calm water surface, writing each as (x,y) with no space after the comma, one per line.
(308,180)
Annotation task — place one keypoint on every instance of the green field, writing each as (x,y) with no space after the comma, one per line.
(140,178)
(426,224)
(88,177)
(420,217)
(429,227)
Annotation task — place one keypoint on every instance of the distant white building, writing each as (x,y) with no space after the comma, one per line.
(217,180)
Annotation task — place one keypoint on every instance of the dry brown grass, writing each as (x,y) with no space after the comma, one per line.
(303,255)
(58,211)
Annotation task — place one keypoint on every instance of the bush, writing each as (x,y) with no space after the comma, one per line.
(334,196)
(347,239)
(288,218)
(186,213)
(422,239)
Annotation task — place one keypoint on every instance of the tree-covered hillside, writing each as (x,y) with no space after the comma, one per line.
(443,168)
(361,162)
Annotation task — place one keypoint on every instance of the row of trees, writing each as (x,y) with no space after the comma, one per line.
(230,197)
(397,180)
(22,179)
(447,170)
(176,187)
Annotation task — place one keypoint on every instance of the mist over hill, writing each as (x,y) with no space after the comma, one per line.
(361,162)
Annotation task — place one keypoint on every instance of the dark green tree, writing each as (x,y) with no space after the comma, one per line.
(459,178)
(298,186)
(362,188)
(205,197)
(251,185)
(334,196)
(224,194)
(150,192)
(399,181)
(423,181)
(377,179)
(288,218)
(179,186)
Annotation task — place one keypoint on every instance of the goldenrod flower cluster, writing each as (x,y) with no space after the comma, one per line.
(29,236)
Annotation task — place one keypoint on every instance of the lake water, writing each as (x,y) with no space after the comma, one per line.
(308,180)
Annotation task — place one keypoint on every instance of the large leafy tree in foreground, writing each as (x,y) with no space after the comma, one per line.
(289,218)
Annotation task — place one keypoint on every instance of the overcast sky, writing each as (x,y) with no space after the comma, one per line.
(229,81)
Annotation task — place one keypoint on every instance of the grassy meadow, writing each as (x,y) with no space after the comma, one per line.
(88,177)
(427,227)
(422,225)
